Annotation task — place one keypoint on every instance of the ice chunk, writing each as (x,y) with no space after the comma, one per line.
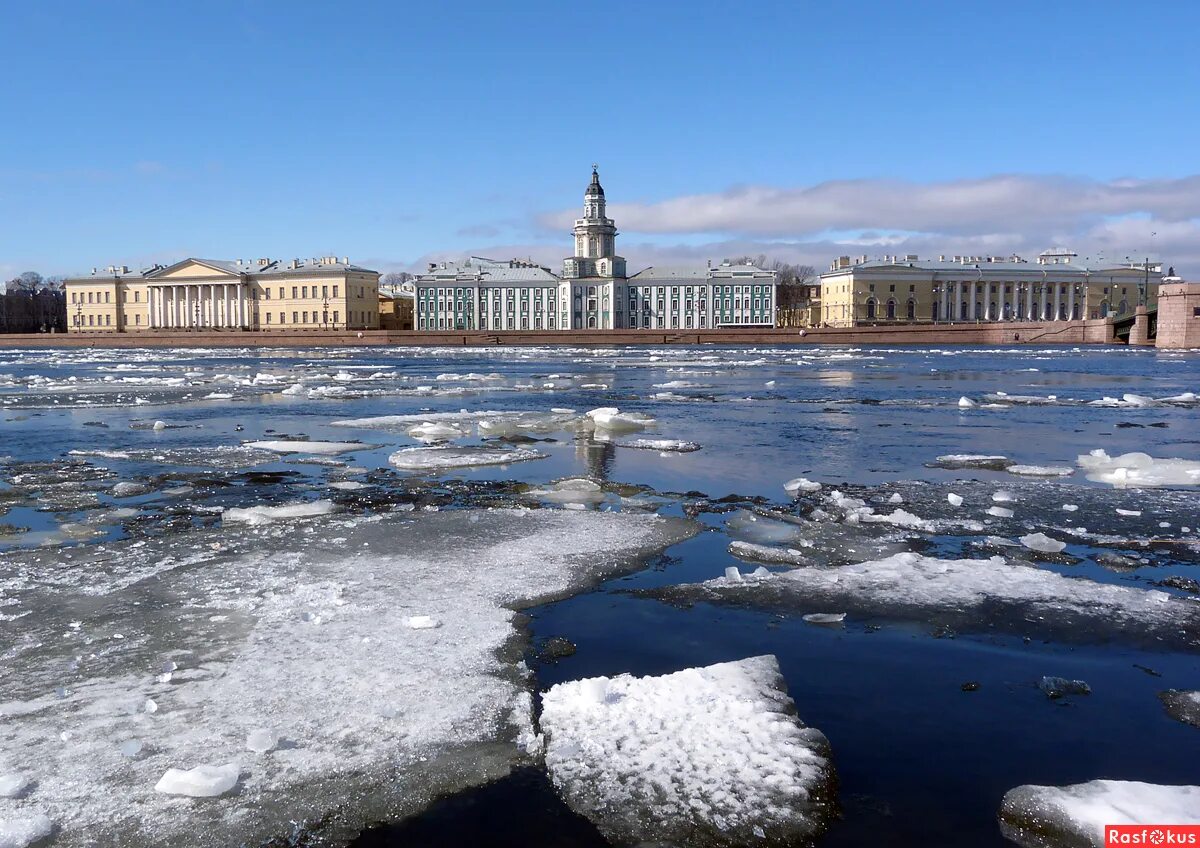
(800,484)
(1000,511)
(434,459)
(954,500)
(1039,816)
(765,553)
(261,740)
(305,446)
(666,445)
(577,490)
(1132,513)
(438,431)
(1040,470)
(704,756)
(900,518)
(977,595)
(347,485)
(1002,496)
(966,403)
(256,515)
(974,460)
(614,421)
(825,617)
(199,782)
(761,529)
(1182,705)
(130,747)
(127,489)
(1042,543)
(19,829)
(1057,687)
(13,785)
(1070,507)
(421,622)
(1138,470)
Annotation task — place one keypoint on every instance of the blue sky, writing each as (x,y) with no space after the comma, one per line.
(395,133)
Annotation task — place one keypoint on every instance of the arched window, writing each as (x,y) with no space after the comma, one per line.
(1104,309)
(912,309)
(993,311)
(933,311)
(870,308)
(1075,314)
(1048,312)
(1062,312)
(1122,307)
(978,310)
(591,322)
(891,310)
(963,314)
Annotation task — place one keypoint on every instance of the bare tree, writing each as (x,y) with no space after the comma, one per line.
(395,279)
(795,292)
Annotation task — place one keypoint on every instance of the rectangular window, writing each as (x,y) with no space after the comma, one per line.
(295,317)
(335,315)
(267,293)
(295,292)
(108,320)
(324,291)
(137,319)
(268,317)
(335,291)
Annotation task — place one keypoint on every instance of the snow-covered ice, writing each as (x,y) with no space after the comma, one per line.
(1139,470)
(661,445)
(969,594)
(800,484)
(199,781)
(436,459)
(20,829)
(306,446)
(1040,816)
(704,756)
(1040,470)
(306,632)
(974,460)
(255,515)
(612,420)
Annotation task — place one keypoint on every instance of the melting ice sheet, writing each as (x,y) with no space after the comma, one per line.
(178,652)
(704,756)
(1038,816)
(968,594)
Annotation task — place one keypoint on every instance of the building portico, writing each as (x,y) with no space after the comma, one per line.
(200,305)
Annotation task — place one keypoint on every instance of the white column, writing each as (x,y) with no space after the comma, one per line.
(205,295)
(1071,302)
(162,307)
(150,303)
(187,306)
(1057,300)
(241,305)
(971,302)
(225,312)
(944,312)
(987,303)
(1042,305)
(174,318)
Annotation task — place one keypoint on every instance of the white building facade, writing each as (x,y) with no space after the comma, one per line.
(593,292)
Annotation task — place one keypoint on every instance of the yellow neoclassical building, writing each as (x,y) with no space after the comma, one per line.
(326,293)
(1058,286)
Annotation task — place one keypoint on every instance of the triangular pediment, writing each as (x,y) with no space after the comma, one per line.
(194,268)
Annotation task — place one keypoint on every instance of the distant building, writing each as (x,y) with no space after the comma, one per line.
(206,294)
(1057,287)
(395,311)
(593,292)
(37,309)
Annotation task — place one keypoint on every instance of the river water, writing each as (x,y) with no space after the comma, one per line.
(137,565)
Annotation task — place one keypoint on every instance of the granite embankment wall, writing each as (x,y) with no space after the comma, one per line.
(1050,332)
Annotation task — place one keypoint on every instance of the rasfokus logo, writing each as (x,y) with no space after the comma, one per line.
(1151,834)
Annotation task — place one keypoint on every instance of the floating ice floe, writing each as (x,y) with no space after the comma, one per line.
(769,554)
(262,740)
(306,446)
(577,490)
(800,484)
(347,485)
(1042,543)
(1040,470)
(966,403)
(612,420)
(200,781)
(1182,705)
(974,460)
(954,499)
(1000,512)
(404,715)
(438,431)
(1139,470)
(436,459)
(967,594)
(1003,496)
(1039,816)
(1125,401)
(825,617)
(19,828)
(705,757)
(661,445)
(257,515)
